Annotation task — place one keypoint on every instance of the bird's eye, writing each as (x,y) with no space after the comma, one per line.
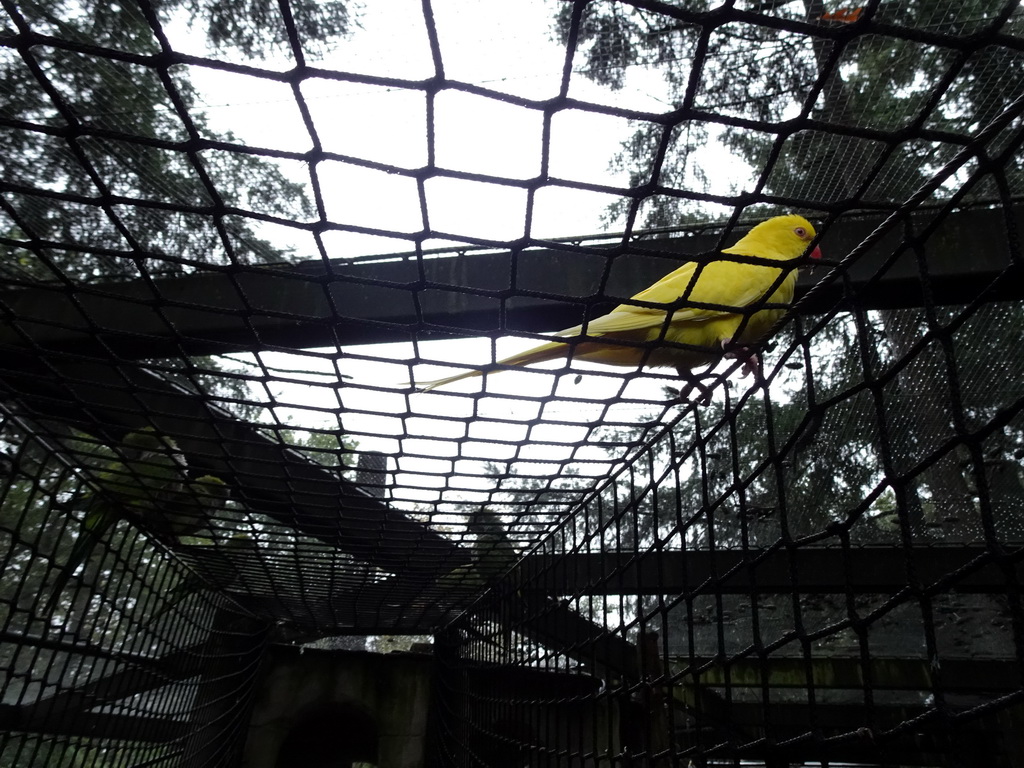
(800,232)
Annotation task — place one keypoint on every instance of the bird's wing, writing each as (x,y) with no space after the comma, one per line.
(729,284)
(668,289)
(621,319)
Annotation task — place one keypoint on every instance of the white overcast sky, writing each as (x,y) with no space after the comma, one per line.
(508,52)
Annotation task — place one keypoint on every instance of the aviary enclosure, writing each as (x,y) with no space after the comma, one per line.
(212,306)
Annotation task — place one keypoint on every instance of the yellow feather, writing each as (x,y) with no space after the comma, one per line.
(737,288)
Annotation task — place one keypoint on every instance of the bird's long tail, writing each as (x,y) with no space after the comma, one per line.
(97,520)
(549,351)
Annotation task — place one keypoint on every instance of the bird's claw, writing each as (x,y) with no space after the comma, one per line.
(693,382)
(751,360)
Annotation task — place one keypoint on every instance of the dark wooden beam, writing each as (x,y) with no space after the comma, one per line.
(954,676)
(388,608)
(928,745)
(555,624)
(887,731)
(103,397)
(338,303)
(99,726)
(818,570)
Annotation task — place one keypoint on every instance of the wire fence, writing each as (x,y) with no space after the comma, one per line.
(214,304)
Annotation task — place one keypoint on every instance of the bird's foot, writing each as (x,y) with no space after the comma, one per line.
(693,381)
(751,360)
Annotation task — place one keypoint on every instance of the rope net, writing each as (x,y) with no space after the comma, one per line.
(232,234)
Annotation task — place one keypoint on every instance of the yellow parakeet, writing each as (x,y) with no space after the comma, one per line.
(147,484)
(716,308)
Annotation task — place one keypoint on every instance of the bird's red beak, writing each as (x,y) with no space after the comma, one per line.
(816,253)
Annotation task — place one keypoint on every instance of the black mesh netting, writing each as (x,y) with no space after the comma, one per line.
(231,233)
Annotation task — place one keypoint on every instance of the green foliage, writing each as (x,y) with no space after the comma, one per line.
(324,447)
(256,27)
(135,122)
(767,74)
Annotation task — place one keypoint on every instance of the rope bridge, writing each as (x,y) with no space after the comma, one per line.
(209,448)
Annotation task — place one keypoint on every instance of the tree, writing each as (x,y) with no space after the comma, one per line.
(104,177)
(766,73)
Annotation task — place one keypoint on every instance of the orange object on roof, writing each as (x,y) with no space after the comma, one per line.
(843,15)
